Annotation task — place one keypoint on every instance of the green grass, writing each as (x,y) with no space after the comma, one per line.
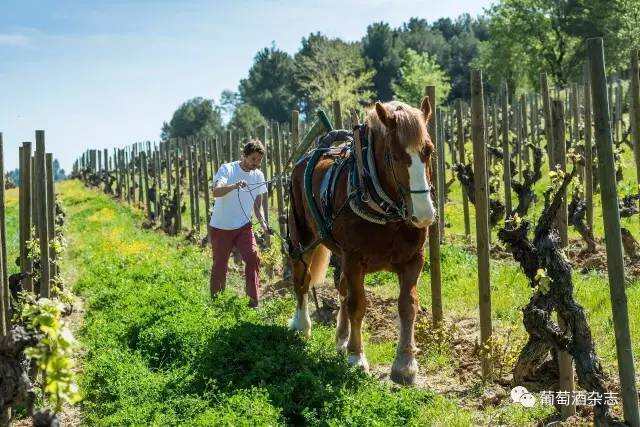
(159,352)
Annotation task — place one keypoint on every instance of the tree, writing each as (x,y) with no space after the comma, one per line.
(548,36)
(419,70)
(197,116)
(229,101)
(452,43)
(246,118)
(416,34)
(381,51)
(269,86)
(332,70)
(58,172)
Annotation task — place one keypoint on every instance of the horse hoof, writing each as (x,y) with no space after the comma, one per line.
(303,328)
(341,345)
(359,360)
(404,372)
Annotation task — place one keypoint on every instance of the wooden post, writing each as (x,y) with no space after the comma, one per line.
(634,94)
(275,128)
(575,122)
(178,223)
(205,177)
(186,147)
(618,121)
(434,233)
(26,264)
(141,195)
(440,160)
(337,115)
(167,156)
(559,156)
(295,130)
(588,152)
(262,132)
(5,321)
(565,361)
(34,197)
(128,172)
(482,214)
(525,129)
(506,176)
(145,170)
(461,150)
(196,183)
(41,207)
(51,209)
(3,230)
(548,123)
(216,155)
(159,214)
(611,217)
(517,119)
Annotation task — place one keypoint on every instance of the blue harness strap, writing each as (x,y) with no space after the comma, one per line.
(321,224)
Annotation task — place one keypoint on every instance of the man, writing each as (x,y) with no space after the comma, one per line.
(238,188)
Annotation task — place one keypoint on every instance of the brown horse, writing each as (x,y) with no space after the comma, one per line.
(401,152)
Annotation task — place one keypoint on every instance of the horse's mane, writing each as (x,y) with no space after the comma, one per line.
(410,124)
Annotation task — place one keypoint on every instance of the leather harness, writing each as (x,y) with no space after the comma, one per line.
(366,199)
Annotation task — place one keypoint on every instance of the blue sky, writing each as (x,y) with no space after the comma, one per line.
(101,74)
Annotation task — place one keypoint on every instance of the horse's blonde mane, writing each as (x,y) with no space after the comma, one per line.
(410,124)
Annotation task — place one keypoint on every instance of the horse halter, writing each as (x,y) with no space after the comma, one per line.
(400,207)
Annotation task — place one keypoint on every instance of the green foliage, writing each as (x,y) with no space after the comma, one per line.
(269,86)
(381,52)
(452,43)
(418,71)
(246,118)
(195,117)
(532,36)
(52,354)
(332,70)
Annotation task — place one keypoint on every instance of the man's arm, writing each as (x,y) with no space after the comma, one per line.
(221,189)
(257,209)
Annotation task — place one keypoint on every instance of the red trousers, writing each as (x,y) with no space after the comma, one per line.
(222,242)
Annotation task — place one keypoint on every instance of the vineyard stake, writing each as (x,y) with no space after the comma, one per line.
(611,216)
(482,214)
(434,233)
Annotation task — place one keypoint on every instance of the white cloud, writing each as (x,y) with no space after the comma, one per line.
(13,40)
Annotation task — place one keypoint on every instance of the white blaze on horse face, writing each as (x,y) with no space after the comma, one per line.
(423,208)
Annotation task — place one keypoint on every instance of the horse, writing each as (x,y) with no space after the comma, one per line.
(401,153)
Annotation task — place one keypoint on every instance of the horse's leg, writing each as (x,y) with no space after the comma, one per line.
(356,305)
(310,270)
(343,326)
(405,366)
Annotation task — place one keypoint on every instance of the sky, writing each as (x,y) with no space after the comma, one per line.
(103,74)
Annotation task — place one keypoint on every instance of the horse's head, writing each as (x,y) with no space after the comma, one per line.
(407,154)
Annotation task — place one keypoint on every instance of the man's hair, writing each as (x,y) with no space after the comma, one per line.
(253,146)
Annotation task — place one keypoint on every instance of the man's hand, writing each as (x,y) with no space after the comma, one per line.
(240,184)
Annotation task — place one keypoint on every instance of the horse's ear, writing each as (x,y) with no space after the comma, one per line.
(425,106)
(386,117)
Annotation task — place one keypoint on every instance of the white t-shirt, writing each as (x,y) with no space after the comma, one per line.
(233,210)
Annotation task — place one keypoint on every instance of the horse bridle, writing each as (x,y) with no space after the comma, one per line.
(401,207)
